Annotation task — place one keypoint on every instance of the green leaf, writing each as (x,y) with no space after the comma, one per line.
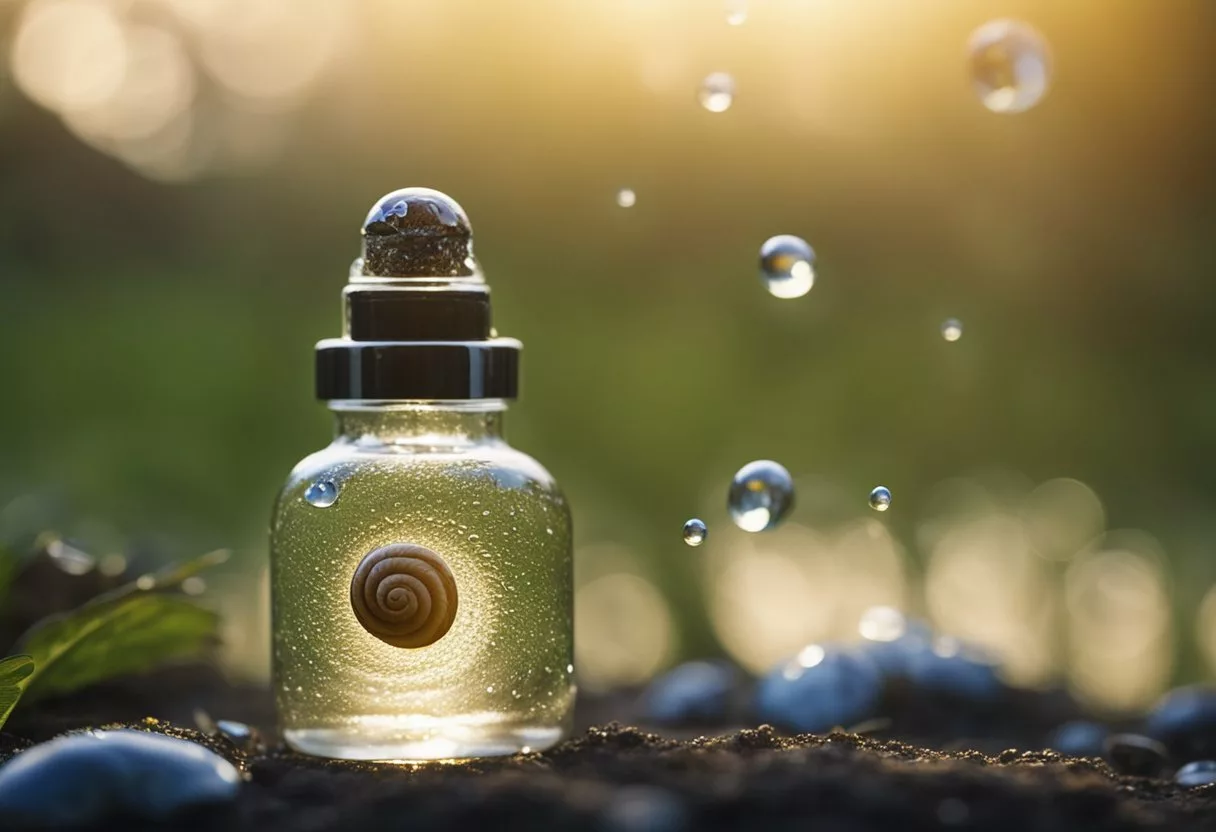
(128,630)
(14,676)
(114,636)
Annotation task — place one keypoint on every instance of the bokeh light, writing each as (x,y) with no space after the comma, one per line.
(270,52)
(1118,622)
(985,585)
(1205,628)
(69,55)
(770,595)
(1061,517)
(624,632)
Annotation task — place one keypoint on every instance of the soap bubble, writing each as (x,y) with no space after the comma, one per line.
(626,198)
(880,498)
(695,532)
(736,12)
(717,92)
(787,266)
(322,494)
(952,329)
(761,494)
(1010,65)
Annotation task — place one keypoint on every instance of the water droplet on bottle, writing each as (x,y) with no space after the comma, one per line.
(736,12)
(1010,65)
(880,498)
(761,494)
(322,494)
(695,532)
(952,329)
(717,92)
(626,198)
(787,266)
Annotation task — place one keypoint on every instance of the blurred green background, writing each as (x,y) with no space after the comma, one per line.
(183,183)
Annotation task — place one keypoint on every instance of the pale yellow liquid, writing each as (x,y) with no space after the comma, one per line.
(500,680)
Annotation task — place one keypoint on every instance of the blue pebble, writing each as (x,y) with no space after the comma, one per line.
(83,778)
(237,733)
(820,689)
(954,669)
(1080,738)
(693,692)
(644,809)
(892,638)
(1185,720)
(1198,773)
(894,658)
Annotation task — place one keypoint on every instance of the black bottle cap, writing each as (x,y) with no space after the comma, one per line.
(417,311)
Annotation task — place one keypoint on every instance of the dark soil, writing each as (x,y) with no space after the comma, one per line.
(614,777)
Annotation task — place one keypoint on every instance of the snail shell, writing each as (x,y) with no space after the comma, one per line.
(404,594)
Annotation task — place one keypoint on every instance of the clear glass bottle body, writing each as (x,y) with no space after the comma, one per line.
(437,475)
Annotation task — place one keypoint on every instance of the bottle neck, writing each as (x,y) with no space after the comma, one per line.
(412,424)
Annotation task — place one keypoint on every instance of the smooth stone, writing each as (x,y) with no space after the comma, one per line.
(698,691)
(894,658)
(1136,755)
(644,809)
(822,688)
(1197,773)
(237,733)
(954,669)
(1080,738)
(83,778)
(1185,720)
(893,655)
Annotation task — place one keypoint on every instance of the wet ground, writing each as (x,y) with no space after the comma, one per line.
(613,777)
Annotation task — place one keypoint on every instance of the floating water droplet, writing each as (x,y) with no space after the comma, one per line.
(322,494)
(880,498)
(695,532)
(626,198)
(787,266)
(952,329)
(717,92)
(1010,65)
(736,12)
(761,494)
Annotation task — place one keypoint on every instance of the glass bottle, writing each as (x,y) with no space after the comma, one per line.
(420,566)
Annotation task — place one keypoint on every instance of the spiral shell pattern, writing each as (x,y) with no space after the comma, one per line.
(404,595)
